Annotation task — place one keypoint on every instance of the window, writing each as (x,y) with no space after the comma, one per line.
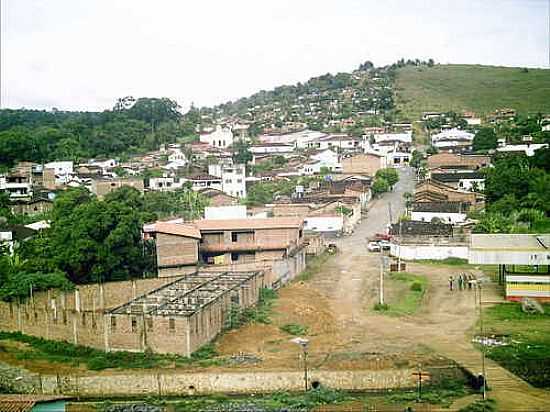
(234,236)
(239,180)
(228,181)
(113,324)
(83,318)
(171,324)
(134,325)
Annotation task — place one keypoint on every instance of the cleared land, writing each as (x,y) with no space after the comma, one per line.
(481,89)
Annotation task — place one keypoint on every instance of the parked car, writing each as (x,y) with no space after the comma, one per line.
(384,244)
(373,247)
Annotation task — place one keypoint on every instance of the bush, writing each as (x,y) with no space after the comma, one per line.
(417,286)
(488,405)
(294,329)
(381,307)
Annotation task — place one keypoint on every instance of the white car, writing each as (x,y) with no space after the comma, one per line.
(373,247)
(384,244)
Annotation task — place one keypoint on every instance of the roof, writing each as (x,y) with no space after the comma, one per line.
(187,295)
(202,177)
(236,224)
(441,207)
(24,403)
(455,177)
(210,192)
(178,229)
(421,228)
(452,159)
(507,242)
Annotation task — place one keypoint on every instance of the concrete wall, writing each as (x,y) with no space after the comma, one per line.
(444,217)
(436,252)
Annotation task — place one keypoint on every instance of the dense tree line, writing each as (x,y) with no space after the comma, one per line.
(517,190)
(92,240)
(131,126)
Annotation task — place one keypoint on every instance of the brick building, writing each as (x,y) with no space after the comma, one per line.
(102,187)
(364,163)
(164,315)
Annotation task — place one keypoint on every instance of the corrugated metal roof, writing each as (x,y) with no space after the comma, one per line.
(503,242)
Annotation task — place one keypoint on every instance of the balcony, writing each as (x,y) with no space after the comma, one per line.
(244,246)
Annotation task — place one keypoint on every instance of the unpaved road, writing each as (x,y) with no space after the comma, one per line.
(346,333)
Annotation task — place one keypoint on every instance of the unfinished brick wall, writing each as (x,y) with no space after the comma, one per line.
(173,250)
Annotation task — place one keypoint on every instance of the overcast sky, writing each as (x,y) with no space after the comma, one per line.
(84,54)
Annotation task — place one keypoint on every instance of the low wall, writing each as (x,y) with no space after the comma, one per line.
(435,252)
(177,384)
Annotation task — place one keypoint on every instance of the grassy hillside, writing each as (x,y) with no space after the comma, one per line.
(467,87)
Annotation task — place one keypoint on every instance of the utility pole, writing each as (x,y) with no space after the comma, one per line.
(483,372)
(305,366)
(381,280)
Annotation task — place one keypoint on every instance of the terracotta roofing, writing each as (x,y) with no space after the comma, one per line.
(179,229)
(211,192)
(236,224)
(441,207)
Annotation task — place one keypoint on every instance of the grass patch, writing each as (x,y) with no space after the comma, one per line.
(443,393)
(407,302)
(450,261)
(381,307)
(95,359)
(475,88)
(314,266)
(294,329)
(261,313)
(488,405)
(528,335)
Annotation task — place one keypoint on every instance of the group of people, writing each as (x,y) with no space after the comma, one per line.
(462,281)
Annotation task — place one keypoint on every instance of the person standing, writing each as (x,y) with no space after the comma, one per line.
(451,281)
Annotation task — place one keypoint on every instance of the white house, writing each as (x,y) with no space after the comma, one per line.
(452,135)
(340,141)
(104,164)
(221,137)
(271,148)
(176,155)
(203,181)
(233,178)
(393,137)
(329,159)
(324,224)
(444,212)
(165,183)
(529,149)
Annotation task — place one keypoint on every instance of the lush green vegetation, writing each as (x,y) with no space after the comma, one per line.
(313,266)
(294,329)
(517,195)
(266,192)
(261,313)
(91,240)
(384,180)
(410,299)
(488,405)
(131,126)
(451,261)
(94,359)
(528,335)
(470,87)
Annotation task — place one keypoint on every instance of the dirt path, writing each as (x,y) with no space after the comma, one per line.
(346,333)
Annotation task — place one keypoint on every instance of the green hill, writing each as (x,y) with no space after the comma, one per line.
(480,89)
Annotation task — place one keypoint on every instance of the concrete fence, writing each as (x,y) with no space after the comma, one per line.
(181,384)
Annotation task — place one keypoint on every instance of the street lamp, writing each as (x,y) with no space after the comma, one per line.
(304,344)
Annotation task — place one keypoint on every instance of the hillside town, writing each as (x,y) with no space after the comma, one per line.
(357,241)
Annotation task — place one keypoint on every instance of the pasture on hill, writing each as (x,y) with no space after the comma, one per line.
(480,89)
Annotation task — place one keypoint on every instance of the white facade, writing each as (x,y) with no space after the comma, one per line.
(225,212)
(61,168)
(528,149)
(451,135)
(471,184)
(443,217)
(233,178)
(17,187)
(329,158)
(165,184)
(267,148)
(221,137)
(104,164)
(435,252)
(342,142)
(177,155)
(324,224)
(386,137)
(302,140)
